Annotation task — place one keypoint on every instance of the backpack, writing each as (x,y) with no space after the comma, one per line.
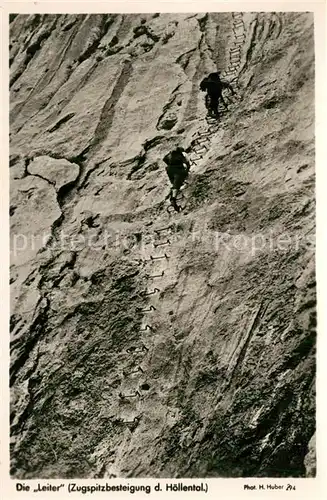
(203,84)
(175,157)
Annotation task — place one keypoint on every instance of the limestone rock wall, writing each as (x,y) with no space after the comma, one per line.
(149,344)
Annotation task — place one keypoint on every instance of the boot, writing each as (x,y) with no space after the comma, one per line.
(174,204)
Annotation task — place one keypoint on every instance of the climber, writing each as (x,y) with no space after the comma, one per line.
(178,166)
(214,86)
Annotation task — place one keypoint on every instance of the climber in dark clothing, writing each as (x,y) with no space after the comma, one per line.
(213,85)
(178,166)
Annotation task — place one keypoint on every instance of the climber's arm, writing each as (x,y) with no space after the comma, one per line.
(227,85)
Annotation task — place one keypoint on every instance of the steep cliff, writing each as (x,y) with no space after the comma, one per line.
(148,343)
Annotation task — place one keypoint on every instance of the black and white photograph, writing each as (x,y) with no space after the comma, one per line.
(162,245)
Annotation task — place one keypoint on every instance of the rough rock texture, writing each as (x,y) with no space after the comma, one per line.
(148,344)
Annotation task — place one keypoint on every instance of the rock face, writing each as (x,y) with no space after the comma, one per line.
(149,344)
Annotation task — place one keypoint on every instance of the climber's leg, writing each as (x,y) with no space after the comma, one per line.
(179,178)
(171,173)
(207,102)
(214,107)
(209,105)
(174,193)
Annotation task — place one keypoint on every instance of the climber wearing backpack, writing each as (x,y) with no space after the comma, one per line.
(213,85)
(178,166)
